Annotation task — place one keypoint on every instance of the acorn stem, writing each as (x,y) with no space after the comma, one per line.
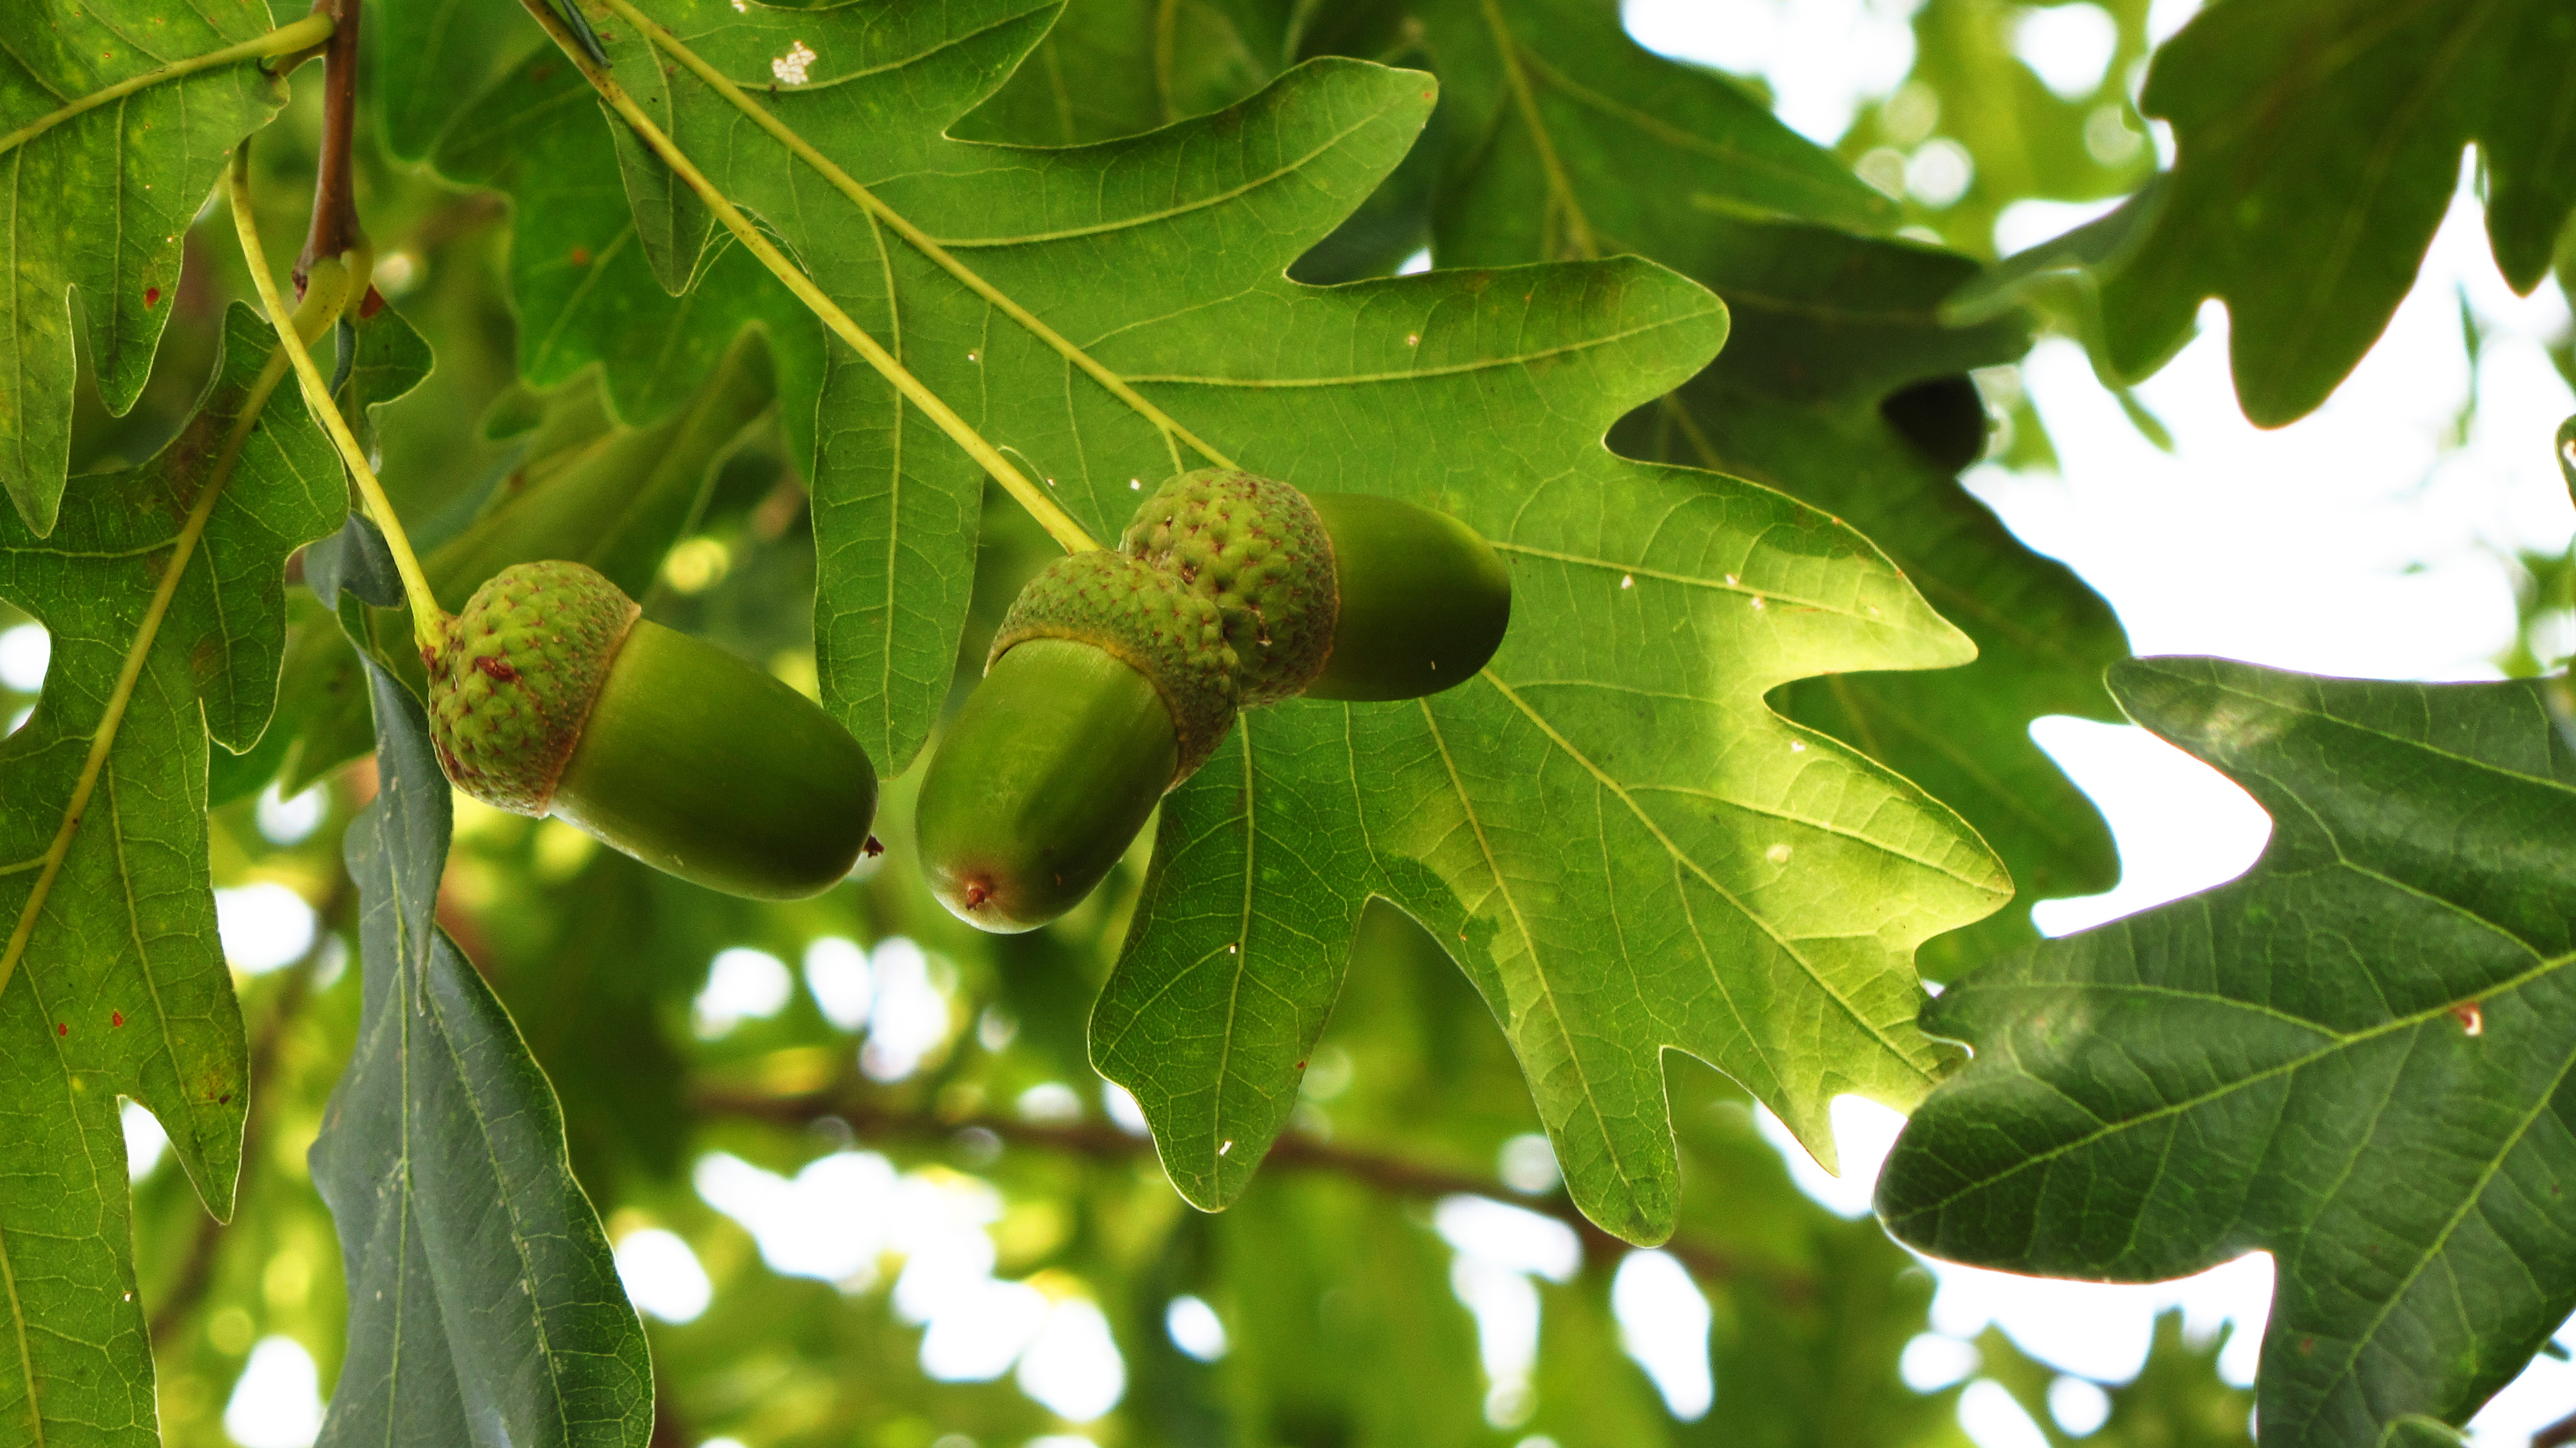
(1052,517)
(429,621)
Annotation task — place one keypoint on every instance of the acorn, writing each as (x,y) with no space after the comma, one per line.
(553,696)
(1116,675)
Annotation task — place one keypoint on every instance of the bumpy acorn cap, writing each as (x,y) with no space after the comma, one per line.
(511,691)
(1147,619)
(1254,547)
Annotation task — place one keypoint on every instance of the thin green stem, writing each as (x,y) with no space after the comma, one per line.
(304,34)
(1052,517)
(920,240)
(429,621)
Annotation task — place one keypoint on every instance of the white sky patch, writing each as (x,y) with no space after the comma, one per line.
(1663,1324)
(2080,1407)
(25,649)
(662,1275)
(1988,1414)
(742,984)
(291,821)
(832,1220)
(1049,1103)
(1527,1164)
(1932,1361)
(1821,58)
(837,972)
(791,68)
(1121,1105)
(2028,222)
(1864,1131)
(1499,1248)
(145,1141)
(1195,1328)
(1073,1368)
(277,1401)
(2103,1331)
(2182,826)
(911,1020)
(263,926)
(981,1330)
(2068,46)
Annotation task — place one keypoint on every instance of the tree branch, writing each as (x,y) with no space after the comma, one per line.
(1295,1151)
(335,199)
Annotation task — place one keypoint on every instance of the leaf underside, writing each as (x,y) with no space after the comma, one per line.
(484,1304)
(2355,1057)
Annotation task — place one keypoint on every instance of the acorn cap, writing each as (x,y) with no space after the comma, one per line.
(1254,547)
(511,691)
(1147,619)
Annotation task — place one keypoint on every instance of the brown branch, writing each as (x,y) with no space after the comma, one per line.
(335,198)
(2556,1435)
(1295,1151)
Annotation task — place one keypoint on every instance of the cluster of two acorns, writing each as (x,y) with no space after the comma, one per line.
(1114,677)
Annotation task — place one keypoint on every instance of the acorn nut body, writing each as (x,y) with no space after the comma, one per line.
(553,697)
(1041,782)
(1116,675)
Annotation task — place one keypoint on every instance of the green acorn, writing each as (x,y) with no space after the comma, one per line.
(1117,674)
(553,697)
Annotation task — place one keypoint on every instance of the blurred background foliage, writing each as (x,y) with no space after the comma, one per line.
(865,1184)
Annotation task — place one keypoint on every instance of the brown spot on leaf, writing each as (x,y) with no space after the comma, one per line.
(581,256)
(62,1028)
(151,296)
(116,1018)
(494,668)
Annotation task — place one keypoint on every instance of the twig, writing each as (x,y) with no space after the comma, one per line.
(2556,1435)
(1051,515)
(1295,1151)
(429,621)
(335,229)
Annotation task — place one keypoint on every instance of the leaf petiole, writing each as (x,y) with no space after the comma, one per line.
(921,240)
(1051,516)
(304,34)
(429,621)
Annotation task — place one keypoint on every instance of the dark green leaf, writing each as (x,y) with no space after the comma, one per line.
(483,1301)
(2356,1057)
(2317,147)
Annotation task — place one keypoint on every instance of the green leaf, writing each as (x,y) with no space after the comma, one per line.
(1606,829)
(429,59)
(2355,1057)
(98,205)
(2317,147)
(483,1300)
(1547,102)
(1828,327)
(586,293)
(122,989)
(1834,336)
